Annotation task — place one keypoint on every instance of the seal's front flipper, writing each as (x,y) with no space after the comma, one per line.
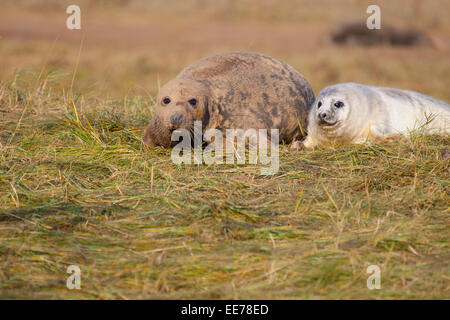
(309,142)
(297,145)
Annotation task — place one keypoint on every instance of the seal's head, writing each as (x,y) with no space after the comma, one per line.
(331,108)
(179,103)
(340,113)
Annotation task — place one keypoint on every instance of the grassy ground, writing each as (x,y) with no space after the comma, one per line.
(77,188)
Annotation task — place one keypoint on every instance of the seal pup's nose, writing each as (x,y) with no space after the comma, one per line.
(322,115)
(176,119)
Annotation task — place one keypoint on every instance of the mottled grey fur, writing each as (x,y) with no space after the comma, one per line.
(236,90)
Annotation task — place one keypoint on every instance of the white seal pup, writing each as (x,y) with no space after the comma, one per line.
(352,113)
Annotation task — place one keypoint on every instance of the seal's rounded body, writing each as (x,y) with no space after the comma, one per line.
(355,113)
(236,90)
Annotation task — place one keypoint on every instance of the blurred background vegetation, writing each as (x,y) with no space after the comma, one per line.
(135,45)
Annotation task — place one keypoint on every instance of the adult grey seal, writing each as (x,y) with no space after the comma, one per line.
(354,113)
(236,90)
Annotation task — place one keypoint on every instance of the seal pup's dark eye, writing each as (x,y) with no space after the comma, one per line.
(166,101)
(319,104)
(193,102)
(339,104)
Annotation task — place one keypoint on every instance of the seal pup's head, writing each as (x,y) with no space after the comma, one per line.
(339,112)
(331,108)
(180,102)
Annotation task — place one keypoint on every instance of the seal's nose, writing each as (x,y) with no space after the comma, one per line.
(176,119)
(322,115)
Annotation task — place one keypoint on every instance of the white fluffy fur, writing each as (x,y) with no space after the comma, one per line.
(373,112)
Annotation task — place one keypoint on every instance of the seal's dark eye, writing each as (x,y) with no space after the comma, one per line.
(193,102)
(319,104)
(166,100)
(339,104)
